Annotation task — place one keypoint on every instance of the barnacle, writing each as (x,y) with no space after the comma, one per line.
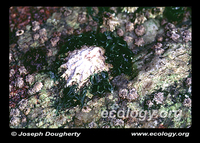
(187,36)
(187,102)
(123,93)
(132,95)
(140,30)
(129,27)
(17,85)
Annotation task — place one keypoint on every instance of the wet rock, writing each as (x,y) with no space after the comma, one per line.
(155,72)
(120,81)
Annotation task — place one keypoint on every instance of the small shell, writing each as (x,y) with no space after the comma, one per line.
(86,109)
(187,102)
(19,32)
(26,111)
(123,93)
(132,95)
(189,81)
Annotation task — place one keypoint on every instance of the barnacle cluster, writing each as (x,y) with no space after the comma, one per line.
(20,16)
(130,95)
(158,49)
(18,86)
(171,31)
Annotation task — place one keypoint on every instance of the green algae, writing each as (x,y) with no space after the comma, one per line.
(72,96)
(117,52)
